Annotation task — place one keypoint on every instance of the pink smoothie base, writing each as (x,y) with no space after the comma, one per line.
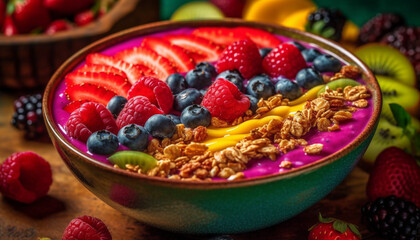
(332,141)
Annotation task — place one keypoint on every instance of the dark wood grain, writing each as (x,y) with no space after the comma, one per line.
(68,199)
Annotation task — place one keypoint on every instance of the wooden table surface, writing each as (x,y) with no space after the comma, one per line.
(68,199)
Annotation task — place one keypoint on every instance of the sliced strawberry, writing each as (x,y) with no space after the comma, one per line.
(161,66)
(101,68)
(219,35)
(201,49)
(181,60)
(155,90)
(262,38)
(109,81)
(145,70)
(133,72)
(73,105)
(90,93)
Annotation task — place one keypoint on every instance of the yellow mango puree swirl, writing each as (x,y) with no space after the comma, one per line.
(221,138)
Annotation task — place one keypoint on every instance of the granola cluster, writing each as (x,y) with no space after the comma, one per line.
(186,157)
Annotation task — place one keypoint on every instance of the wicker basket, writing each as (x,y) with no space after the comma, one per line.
(28,61)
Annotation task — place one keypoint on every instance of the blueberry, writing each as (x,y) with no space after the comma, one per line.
(195,115)
(206,66)
(186,98)
(254,101)
(308,78)
(174,118)
(310,54)
(160,126)
(198,78)
(288,89)
(176,83)
(102,142)
(116,104)
(298,45)
(227,73)
(327,63)
(134,137)
(260,87)
(264,51)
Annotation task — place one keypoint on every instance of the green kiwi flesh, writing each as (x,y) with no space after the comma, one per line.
(339,83)
(386,135)
(143,160)
(396,92)
(387,61)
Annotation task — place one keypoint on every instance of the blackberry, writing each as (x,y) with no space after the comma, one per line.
(28,116)
(327,23)
(407,41)
(393,218)
(377,27)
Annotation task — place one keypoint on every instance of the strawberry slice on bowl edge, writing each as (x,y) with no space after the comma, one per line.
(262,38)
(89,93)
(200,49)
(133,72)
(179,58)
(101,68)
(219,35)
(109,81)
(161,66)
(73,105)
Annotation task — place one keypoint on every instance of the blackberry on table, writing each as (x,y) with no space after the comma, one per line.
(377,27)
(393,218)
(327,23)
(28,116)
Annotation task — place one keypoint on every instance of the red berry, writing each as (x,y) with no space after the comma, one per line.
(86,228)
(219,35)
(224,100)
(25,177)
(333,229)
(137,110)
(58,26)
(395,172)
(285,60)
(89,118)
(155,90)
(242,55)
(230,8)
(262,38)
(84,18)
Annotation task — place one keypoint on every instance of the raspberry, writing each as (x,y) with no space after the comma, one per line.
(89,118)
(157,91)
(224,100)
(285,60)
(25,177)
(374,29)
(137,110)
(242,55)
(86,228)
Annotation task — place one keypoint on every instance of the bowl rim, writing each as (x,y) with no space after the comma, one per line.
(100,26)
(121,36)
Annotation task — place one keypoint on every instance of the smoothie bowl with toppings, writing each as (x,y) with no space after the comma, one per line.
(211,126)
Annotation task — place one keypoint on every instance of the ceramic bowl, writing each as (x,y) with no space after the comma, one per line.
(220,206)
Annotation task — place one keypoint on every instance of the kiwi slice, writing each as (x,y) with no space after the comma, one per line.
(141,159)
(339,83)
(387,61)
(386,135)
(396,92)
(197,10)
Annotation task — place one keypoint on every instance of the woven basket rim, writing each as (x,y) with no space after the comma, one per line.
(102,25)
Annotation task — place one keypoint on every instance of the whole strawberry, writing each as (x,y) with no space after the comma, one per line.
(28,15)
(333,229)
(395,172)
(285,60)
(243,56)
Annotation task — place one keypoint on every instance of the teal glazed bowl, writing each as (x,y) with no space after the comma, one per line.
(211,207)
